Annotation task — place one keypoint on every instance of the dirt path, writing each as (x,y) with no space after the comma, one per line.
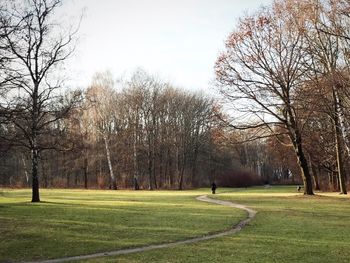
(204,198)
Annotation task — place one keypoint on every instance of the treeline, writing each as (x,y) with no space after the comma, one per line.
(141,133)
(286,70)
(149,134)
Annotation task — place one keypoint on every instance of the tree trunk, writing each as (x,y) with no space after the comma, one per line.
(149,156)
(340,165)
(338,143)
(111,173)
(155,177)
(86,172)
(167,170)
(154,135)
(171,173)
(150,185)
(67,179)
(315,177)
(154,164)
(44,175)
(182,172)
(136,184)
(181,178)
(35,176)
(65,170)
(305,174)
(303,165)
(314,173)
(335,181)
(194,166)
(194,174)
(177,166)
(293,178)
(25,169)
(76,178)
(330,181)
(295,137)
(135,161)
(344,127)
(160,172)
(34,145)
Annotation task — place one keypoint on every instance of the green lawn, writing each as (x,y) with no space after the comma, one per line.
(289,227)
(76,222)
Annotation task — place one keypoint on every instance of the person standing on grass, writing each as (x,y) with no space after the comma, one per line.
(213,188)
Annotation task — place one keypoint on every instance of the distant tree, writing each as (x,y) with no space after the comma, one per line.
(102,104)
(36,46)
(133,97)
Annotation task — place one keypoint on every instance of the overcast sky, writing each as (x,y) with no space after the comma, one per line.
(178,40)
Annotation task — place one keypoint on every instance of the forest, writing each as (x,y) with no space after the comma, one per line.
(283,115)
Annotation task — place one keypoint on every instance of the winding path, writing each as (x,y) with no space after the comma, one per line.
(203,198)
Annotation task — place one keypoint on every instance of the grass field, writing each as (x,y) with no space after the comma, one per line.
(75,222)
(289,227)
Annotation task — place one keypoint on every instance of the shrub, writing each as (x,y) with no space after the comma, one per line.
(238,179)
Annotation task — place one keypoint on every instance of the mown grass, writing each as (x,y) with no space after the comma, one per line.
(77,222)
(289,227)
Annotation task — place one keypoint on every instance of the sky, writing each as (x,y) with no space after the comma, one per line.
(177,40)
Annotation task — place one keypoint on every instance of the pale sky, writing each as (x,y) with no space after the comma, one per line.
(178,40)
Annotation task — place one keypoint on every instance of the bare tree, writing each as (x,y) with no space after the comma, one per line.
(103,102)
(261,70)
(35,48)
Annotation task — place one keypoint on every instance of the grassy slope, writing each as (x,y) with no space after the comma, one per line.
(288,228)
(75,222)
